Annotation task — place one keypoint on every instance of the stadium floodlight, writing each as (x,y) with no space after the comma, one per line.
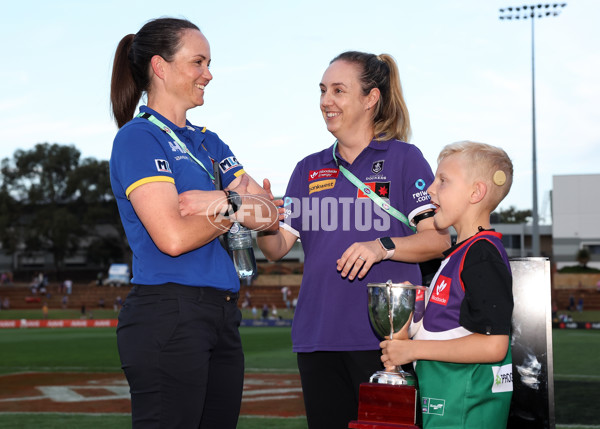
(532,12)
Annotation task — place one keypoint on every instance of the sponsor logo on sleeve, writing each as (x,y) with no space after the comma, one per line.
(323,173)
(441,290)
(228,163)
(162,165)
(321,185)
(380,188)
(503,378)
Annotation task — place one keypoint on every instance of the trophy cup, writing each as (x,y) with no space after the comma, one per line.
(389,399)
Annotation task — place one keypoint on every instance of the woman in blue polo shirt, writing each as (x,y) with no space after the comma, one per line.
(348,239)
(178,333)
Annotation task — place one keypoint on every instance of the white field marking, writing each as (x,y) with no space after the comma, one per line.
(271,391)
(578,426)
(70,394)
(576,376)
(270,398)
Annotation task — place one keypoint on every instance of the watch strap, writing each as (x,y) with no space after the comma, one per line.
(390,252)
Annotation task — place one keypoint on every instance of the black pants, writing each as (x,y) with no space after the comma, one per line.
(330,384)
(182,355)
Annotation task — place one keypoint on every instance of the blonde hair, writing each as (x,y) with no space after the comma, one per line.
(487,163)
(390,117)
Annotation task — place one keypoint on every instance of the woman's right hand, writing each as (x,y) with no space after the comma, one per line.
(206,203)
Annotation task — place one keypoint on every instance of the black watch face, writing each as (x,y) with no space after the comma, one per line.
(387,243)
(235,200)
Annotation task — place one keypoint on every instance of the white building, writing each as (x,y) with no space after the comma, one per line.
(576,218)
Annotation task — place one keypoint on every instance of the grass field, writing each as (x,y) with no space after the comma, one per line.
(577,380)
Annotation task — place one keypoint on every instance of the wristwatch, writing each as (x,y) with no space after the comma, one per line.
(388,245)
(234,199)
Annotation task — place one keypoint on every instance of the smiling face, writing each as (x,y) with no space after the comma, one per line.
(343,104)
(187,75)
(451,193)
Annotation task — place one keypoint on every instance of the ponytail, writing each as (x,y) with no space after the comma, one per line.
(124,91)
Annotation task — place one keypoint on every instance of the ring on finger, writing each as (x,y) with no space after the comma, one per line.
(362,259)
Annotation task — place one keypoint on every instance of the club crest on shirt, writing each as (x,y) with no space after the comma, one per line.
(377,167)
(441,291)
(381,189)
(162,165)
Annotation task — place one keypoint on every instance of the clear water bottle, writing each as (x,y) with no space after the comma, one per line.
(239,239)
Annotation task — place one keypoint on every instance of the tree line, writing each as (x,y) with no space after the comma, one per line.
(52,200)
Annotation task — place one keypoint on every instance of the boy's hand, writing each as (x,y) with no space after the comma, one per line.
(396,352)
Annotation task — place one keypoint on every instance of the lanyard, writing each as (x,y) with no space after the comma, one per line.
(369,192)
(171,134)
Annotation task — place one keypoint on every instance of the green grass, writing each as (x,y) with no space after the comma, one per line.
(55,313)
(576,352)
(576,378)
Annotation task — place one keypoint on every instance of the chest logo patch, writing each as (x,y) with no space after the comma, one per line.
(380,188)
(377,167)
(162,165)
(323,173)
(441,290)
(321,185)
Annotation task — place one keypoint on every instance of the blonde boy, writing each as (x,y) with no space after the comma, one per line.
(460,344)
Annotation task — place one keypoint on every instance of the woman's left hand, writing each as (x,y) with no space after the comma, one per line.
(358,259)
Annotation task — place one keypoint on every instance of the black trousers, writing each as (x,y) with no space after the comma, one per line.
(330,385)
(181,351)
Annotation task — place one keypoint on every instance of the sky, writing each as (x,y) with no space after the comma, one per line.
(466,75)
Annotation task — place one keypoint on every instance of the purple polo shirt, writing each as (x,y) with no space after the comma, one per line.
(328,213)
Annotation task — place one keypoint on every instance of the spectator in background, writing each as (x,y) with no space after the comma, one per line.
(68,285)
(64,301)
(580,304)
(571,302)
(45,310)
(6,303)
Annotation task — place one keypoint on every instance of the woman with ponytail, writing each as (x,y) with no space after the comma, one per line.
(178,334)
(350,239)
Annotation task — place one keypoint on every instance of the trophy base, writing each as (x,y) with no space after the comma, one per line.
(400,378)
(385,406)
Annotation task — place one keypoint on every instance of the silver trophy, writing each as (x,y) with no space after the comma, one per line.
(390,310)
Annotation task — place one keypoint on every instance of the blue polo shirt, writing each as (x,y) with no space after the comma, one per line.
(143,153)
(328,213)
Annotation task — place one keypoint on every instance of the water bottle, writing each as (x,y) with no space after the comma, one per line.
(239,239)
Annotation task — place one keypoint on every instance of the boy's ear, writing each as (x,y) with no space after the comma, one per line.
(479,192)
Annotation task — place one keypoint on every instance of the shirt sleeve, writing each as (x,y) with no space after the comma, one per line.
(416,181)
(488,303)
(139,158)
(229,166)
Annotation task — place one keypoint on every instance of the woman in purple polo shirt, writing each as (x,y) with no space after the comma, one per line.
(348,238)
